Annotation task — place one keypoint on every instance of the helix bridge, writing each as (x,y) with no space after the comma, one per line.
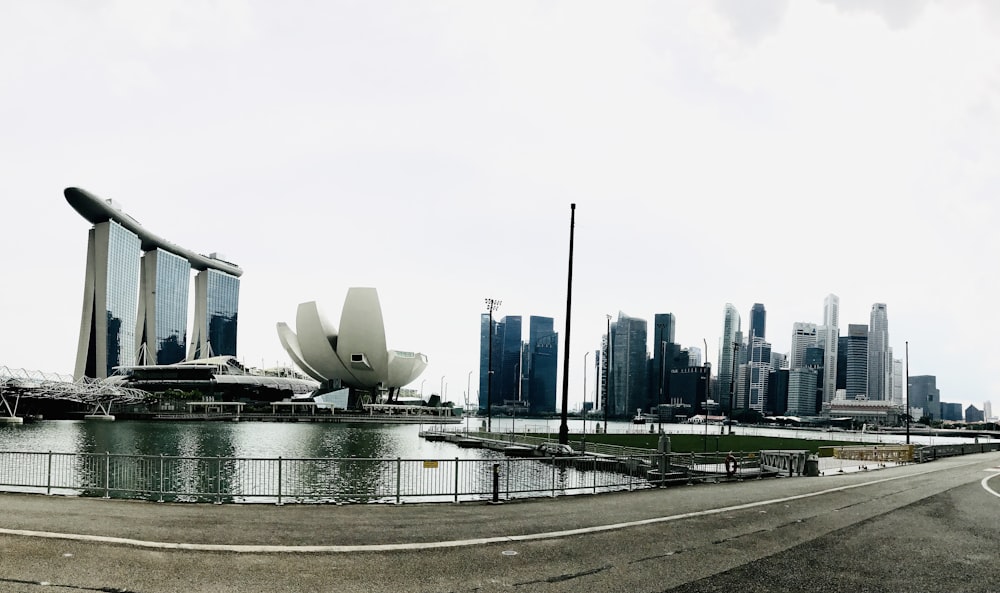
(100,394)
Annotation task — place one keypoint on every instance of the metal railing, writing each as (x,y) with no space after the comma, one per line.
(334,480)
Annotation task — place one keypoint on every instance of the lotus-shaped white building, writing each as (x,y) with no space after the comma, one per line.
(356,355)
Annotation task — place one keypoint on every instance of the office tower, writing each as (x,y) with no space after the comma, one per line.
(758,320)
(897,382)
(925,396)
(728,353)
(161,334)
(831,333)
(802,385)
(803,336)
(135,306)
(659,371)
(543,348)
(689,385)
(758,369)
(484,358)
(605,370)
(779,360)
(856,361)
(951,412)
(110,301)
(507,374)
(879,357)
(988,411)
(815,358)
(777,392)
(629,371)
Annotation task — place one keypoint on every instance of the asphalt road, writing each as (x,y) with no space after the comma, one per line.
(930,527)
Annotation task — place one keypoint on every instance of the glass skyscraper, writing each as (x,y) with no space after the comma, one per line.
(216,308)
(163,307)
(543,348)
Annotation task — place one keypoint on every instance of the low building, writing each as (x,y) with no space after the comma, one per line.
(864,411)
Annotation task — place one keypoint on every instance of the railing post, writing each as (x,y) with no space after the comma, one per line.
(399,477)
(456,479)
(279,480)
(628,466)
(48,479)
(496,483)
(161,478)
(107,474)
(218,480)
(553,459)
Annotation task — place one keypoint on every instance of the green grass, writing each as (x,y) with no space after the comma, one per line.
(687,443)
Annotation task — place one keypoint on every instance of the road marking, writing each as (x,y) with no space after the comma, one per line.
(987,479)
(339,549)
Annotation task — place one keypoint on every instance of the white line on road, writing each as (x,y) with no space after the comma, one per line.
(987,479)
(333,549)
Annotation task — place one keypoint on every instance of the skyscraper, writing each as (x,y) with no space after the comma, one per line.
(856,372)
(803,336)
(543,349)
(879,355)
(758,321)
(758,369)
(507,375)
(727,354)
(164,279)
(134,303)
(628,376)
(830,334)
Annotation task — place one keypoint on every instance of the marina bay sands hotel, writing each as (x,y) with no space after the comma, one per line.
(136,295)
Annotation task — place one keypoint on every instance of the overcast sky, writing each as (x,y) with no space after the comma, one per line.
(726,151)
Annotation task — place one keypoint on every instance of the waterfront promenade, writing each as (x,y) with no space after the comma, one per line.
(907,528)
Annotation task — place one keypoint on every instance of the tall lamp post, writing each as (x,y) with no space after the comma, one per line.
(563,425)
(491,306)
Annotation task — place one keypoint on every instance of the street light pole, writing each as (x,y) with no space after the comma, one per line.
(563,425)
(491,306)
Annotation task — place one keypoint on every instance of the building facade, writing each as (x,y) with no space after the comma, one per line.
(830,334)
(879,354)
(543,365)
(728,353)
(856,359)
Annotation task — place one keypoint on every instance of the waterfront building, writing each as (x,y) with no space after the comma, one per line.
(803,336)
(543,364)
(507,379)
(690,386)
(355,355)
(856,361)
(830,335)
(628,367)
(863,411)
(879,354)
(925,396)
(135,306)
(727,354)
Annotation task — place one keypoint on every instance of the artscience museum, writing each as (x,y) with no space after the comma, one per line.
(352,355)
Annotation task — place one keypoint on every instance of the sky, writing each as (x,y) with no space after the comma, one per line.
(717,152)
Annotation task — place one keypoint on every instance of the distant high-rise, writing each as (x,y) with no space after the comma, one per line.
(507,376)
(758,322)
(135,306)
(628,362)
(897,382)
(830,333)
(802,391)
(973,414)
(803,336)
(758,369)
(879,356)
(988,411)
(856,376)
(694,356)
(727,351)
(484,359)
(925,396)
(543,348)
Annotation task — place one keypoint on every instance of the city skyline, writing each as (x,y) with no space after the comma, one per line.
(433,153)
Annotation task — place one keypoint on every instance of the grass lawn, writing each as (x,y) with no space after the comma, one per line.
(686,443)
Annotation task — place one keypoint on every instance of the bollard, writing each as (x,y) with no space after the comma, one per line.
(496,483)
